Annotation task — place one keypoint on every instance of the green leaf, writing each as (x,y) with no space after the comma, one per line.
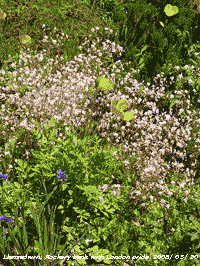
(104,83)
(75,140)
(98,69)
(84,100)
(22,165)
(91,90)
(172,104)
(61,208)
(64,186)
(121,105)
(70,192)
(141,66)
(118,109)
(26,39)
(171,10)
(143,49)
(141,90)
(70,201)
(128,116)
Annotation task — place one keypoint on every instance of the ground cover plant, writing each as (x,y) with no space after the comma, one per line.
(158,31)
(93,160)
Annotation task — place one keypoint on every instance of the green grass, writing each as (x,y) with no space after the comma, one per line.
(58,226)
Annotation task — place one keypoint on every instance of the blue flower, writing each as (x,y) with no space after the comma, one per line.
(5,218)
(61,175)
(4,176)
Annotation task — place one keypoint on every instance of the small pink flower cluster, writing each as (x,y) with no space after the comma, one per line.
(149,135)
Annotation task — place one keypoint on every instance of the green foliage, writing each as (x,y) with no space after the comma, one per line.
(53,17)
(79,193)
(84,174)
(143,26)
(103,84)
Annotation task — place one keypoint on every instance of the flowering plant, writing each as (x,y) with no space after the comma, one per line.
(80,176)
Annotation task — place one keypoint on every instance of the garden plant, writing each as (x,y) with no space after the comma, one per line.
(99,133)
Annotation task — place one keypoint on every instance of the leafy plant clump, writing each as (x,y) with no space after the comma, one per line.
(67,178)
(154,34)
(78,193)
